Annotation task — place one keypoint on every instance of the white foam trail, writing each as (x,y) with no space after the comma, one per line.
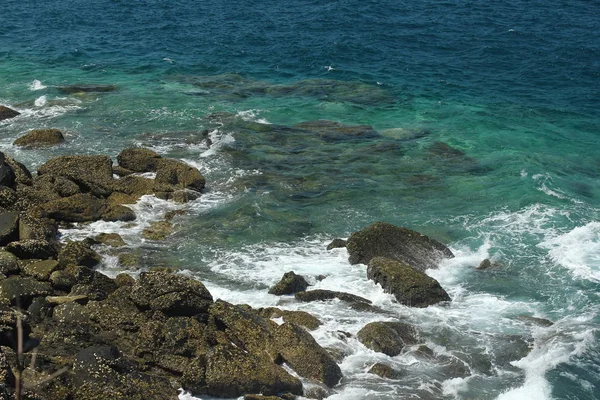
(41,101)
(36,85)
(252,115)
(578,251)
(553,346)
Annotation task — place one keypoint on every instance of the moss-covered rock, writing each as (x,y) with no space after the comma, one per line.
(172,294)
(408,285)
(179,336)
(103,373)
(386,240)
(385,371)
(78,253)
(9,227)
(158,230)
(290,283)
(8,263)
(232,372)
(110,239)
(323,294)
(301,318)
(138,159)
(387,337)
(40,138)
(37,228)
(83,207)
(179,174)
(32,249)
(58,184)
(117,212)
(23,288)
(135,186)
(41,270)
(93,173)
(22,174)
(303,354)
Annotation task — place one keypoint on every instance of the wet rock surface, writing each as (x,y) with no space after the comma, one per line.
(7,113)
(40,138)
(410,286)
(386,240)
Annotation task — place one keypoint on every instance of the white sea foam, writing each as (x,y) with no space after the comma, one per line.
(577,250)
(553,346)
(41,101)
(252,115)
(36,85)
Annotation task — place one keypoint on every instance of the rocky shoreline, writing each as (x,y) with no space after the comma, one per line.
(70,332)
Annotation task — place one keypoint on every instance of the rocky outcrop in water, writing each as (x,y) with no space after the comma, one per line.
(40,138)
(7,113)
(290,283)
(408,285)
(387,337)
(386,240)
(86,88)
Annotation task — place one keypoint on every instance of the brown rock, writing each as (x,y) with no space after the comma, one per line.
(40,138)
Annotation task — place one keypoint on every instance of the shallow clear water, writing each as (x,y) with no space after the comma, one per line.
(510,86)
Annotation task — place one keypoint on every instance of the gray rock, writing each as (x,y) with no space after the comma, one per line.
(336,244)
(410,286)
(41,270)
(8,263)
(25,289)
(32,249)
(78,253)
(386,240)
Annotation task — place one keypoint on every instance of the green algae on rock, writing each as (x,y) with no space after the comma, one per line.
(409,286)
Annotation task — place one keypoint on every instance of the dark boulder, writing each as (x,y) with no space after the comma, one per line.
(241,326)
(40,138)
(7,113)
(173,294)
(32,249)
(8,263)
(7,175)
(322,294)
(9,227)
(25,289)
(302,353)
(37,228)
(8,199)
(138,159)
(336,244)
(103,373)
(290,283)
(387,337)
(410,286)
(386,240)
(232,372)
(92,173)
(61,185)
(83,207)
(78,253)
(22,174)
(179,174)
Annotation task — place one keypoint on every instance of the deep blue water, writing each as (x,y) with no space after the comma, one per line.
(511,86)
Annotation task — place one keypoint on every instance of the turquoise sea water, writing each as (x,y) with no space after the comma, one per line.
(475,122)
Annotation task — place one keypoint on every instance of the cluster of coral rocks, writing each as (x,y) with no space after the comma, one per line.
(69,332)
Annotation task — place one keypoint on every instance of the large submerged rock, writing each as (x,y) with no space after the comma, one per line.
(386,240)
(410,286)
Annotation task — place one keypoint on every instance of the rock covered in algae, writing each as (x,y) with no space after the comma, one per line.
(382,239)
(40,138)
(410,286)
